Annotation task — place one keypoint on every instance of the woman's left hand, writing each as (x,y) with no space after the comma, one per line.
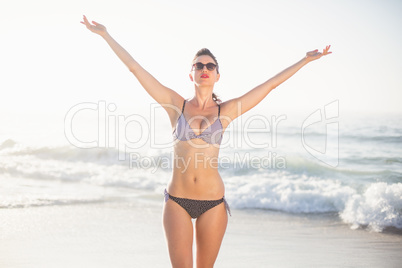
(315,54)
(95,27)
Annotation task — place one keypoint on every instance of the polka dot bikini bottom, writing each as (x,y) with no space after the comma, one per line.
(196,208)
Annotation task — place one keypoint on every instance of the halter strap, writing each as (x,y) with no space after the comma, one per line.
(184,103)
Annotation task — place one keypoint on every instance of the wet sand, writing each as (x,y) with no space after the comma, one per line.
(130,234)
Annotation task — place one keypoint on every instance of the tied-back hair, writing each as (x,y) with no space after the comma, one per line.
(206,51)
(216,98)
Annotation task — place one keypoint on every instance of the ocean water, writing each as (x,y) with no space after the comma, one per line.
(349,165)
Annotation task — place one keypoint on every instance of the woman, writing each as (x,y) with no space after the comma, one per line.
(196,189)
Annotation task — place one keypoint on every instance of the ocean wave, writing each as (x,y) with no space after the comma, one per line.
(390,139)
(20,192)
(377,206)
(367,160)
(7,144)
(66,153)
(302,186)
(71,163)
(40,202)
(382,160)
(379,167)
(393,136)
(287,192)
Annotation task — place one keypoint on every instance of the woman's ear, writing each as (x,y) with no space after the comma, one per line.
(191,78)
(217,77)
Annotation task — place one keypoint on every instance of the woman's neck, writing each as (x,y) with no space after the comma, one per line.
(203,97)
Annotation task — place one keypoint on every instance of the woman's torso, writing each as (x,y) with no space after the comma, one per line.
(196,150)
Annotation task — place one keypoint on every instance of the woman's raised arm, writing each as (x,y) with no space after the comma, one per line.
(242,104)
(158,92)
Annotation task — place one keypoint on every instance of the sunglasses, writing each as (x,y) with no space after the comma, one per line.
(200,66)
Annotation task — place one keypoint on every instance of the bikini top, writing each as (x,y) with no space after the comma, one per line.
(212,134)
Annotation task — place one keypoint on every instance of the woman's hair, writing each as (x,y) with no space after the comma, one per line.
(205,51)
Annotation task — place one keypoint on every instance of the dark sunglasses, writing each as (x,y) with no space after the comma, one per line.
(200,66)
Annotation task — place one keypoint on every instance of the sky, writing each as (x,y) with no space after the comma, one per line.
(50,62)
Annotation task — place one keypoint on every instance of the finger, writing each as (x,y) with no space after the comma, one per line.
(86,22)
(327,52)
(96,23)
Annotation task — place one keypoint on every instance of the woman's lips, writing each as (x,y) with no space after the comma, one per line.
(204,76)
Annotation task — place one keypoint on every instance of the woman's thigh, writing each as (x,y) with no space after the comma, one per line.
(179,234)
(210,228)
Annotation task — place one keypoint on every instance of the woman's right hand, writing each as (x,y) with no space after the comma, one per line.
(95,27)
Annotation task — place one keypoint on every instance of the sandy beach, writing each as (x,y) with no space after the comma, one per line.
(130,234)
(310,157)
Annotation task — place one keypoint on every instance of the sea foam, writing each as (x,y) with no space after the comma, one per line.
(303,186)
